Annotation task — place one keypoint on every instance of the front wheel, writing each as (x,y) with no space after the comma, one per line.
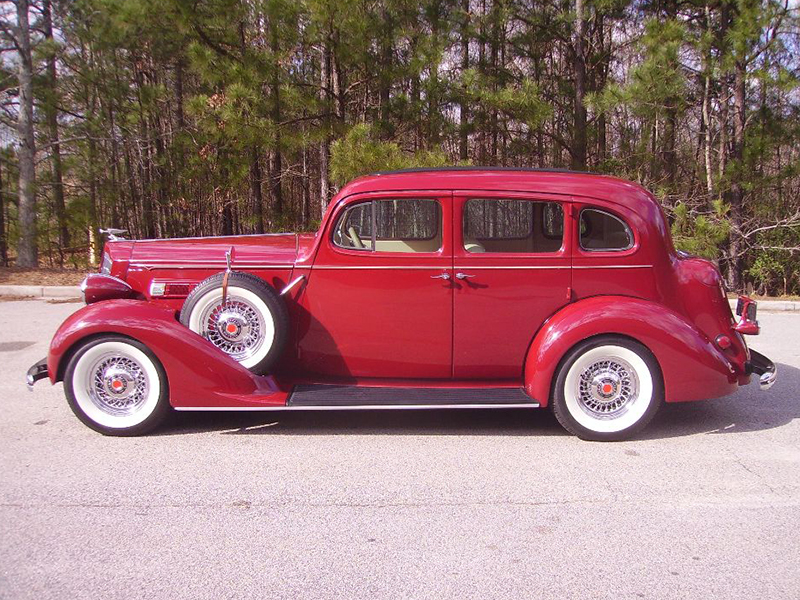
(607,388)
(117,386)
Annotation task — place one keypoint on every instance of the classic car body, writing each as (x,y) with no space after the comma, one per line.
(429,289)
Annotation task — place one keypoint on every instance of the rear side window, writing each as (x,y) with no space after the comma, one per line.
(603,231)
(500,225)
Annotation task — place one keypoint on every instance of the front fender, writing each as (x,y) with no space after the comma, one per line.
(199,374)
(692,367)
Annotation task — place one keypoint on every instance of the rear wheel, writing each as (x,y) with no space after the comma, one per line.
(607,388)
(117,386)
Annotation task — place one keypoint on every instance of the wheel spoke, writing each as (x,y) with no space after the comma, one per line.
(606,388)
(118,384)
(235,327)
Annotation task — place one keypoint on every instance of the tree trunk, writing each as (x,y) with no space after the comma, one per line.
(463,130)
(579,67)
(305,207)
(51,114)
(737,191)
(27,250)
(255,190)
(325,144)
(3,238)
(277,159)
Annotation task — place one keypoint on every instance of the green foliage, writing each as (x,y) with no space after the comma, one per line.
(776,269)
(700,235)
(359,153)
(521,100)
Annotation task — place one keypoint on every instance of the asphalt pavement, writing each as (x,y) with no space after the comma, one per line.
(429,504)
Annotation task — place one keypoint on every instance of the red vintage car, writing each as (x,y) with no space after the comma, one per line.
(431,288)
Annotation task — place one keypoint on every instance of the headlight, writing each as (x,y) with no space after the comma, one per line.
(105,266)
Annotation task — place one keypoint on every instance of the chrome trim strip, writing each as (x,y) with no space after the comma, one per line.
(291,284)
(214,237)
(378,267)
(359,407)
(190,265)
(612,266)
(520,267)
(190,261)
(220,265)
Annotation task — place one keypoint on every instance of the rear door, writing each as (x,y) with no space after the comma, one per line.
(511,272)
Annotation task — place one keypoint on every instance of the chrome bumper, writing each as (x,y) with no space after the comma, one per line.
(764,368)
(36,372)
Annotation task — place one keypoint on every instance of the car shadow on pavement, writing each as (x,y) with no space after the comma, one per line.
(749,409)
(456,422)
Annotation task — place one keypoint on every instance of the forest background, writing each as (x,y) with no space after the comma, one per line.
(212,117)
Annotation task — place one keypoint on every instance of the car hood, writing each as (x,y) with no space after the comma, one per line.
(262,250)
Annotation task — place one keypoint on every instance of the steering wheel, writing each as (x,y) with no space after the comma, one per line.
(353,235)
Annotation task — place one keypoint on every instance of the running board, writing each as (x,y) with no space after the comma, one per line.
(360,397)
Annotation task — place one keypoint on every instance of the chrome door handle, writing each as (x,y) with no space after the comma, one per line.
(463,276)
(444,275)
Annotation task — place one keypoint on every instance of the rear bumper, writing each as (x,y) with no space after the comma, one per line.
(36,372)
(764,368)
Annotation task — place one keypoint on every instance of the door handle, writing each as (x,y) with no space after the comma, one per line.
(463,276)
(444,276)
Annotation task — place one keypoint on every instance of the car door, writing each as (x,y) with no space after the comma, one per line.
(378,302)
(511,272)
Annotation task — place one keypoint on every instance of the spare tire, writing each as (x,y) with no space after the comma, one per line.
(251,327)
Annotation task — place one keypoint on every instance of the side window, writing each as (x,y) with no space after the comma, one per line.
(402,225)
(603,231)
(500,225)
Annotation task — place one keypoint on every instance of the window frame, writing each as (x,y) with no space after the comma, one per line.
(345,211)
(631,237)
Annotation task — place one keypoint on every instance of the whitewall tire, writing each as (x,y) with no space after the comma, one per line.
(607,388)
(117,386)
(251,326)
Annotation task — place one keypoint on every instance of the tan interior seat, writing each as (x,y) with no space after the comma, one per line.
(473,247)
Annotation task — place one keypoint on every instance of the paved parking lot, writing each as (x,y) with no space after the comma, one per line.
(466,504)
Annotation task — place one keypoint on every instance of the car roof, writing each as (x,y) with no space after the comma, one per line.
(510,179)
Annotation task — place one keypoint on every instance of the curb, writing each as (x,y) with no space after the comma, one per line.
(772,305)
(41,291)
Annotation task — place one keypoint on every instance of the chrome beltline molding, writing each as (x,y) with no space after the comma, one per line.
(612,266)
(351,407)
(207,265)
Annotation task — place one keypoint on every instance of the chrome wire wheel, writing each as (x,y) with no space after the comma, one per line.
(236,327)
(117,384)
(242,327)
(608,389)
(114,384)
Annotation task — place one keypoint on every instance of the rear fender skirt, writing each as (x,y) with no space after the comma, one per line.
(198,373)
(692,367)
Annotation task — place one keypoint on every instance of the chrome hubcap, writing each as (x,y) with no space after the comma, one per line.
(607,388)
(235,327)
(118,384)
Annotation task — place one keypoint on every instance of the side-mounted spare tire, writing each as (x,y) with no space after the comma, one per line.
(251,327)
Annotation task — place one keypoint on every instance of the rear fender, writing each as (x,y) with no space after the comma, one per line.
(199,374)
(692,367)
